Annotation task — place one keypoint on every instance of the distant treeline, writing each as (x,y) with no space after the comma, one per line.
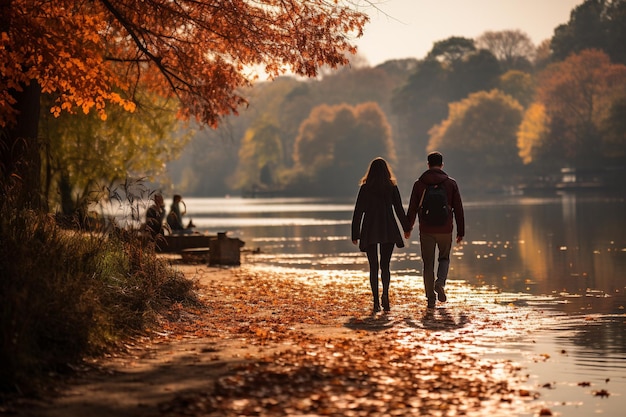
(506,114)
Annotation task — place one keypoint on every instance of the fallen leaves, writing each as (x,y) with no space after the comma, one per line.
(326,355)
(346,378)
(601,393)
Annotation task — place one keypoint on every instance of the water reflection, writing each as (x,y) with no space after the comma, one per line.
(440,319)
(551,248)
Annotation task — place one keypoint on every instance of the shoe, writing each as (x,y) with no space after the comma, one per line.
(376,308)
(431,304)
(385,302)
(441,294)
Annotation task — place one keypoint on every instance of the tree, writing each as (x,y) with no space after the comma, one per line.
(260,157)
(453,70)
(513,48)
(578,95)
(543,55)
(479,140)
(613,129)
(452,49)
(335,145)
(91,54)
(519,85)
(81,151)
(476,72)
(531,136)
(595,24)
(583,31)
(421,103)
(286,101)
(209,160)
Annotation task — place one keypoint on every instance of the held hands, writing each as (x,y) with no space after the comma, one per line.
(408,235)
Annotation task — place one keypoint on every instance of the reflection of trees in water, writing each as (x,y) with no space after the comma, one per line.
(533,247)
(545,247)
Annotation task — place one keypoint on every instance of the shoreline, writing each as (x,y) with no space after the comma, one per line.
(305,343)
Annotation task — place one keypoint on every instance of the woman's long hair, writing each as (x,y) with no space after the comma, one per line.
(378,174)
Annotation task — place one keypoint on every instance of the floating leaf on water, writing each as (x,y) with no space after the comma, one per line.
(601,393)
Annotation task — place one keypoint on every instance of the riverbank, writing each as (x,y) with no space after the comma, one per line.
(298,342)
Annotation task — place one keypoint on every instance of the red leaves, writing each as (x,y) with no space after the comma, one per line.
(90,54)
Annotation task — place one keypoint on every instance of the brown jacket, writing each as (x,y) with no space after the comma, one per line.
(436,176)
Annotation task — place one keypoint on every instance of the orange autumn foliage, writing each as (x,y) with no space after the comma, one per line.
(88,54)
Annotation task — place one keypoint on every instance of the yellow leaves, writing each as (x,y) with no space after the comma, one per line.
(532,132)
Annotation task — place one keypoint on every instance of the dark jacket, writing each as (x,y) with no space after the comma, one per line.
(154,219)
(437,176)
(175,219)
(373,220)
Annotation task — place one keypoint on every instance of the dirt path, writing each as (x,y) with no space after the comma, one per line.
(300,344)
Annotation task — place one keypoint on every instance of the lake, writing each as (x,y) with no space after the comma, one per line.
(564,255)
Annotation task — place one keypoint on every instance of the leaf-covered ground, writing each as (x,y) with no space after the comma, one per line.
(270,342)
(327,354)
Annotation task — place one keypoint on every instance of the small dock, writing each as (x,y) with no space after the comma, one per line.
(217,249)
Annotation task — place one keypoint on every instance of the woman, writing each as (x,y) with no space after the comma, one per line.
(175,217)
(374,224)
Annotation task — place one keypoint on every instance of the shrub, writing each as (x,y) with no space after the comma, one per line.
(67,293)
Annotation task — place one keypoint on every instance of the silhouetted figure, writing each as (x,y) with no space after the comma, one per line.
(374,225)
(436,223)
(155,215)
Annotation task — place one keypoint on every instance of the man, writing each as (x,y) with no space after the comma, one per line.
(155,215)
(436,233)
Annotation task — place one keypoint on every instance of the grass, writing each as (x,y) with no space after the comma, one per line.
(66,294)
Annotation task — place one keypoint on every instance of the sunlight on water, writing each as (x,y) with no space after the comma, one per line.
(238,222)
(236,205)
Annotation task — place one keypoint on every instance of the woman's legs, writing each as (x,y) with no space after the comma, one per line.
(386,249)
(372,258)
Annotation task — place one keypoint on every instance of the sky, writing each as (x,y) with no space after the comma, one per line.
(408,28)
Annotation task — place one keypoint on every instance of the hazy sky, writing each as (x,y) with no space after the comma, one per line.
(412,26)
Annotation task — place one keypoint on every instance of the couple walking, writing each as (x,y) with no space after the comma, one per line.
(435,201)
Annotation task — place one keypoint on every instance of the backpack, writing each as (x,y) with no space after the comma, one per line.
(434,210)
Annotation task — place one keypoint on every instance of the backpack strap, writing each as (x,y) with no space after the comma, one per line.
(425,189)
(419,206)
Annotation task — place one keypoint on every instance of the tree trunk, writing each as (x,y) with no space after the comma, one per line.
(20,160)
